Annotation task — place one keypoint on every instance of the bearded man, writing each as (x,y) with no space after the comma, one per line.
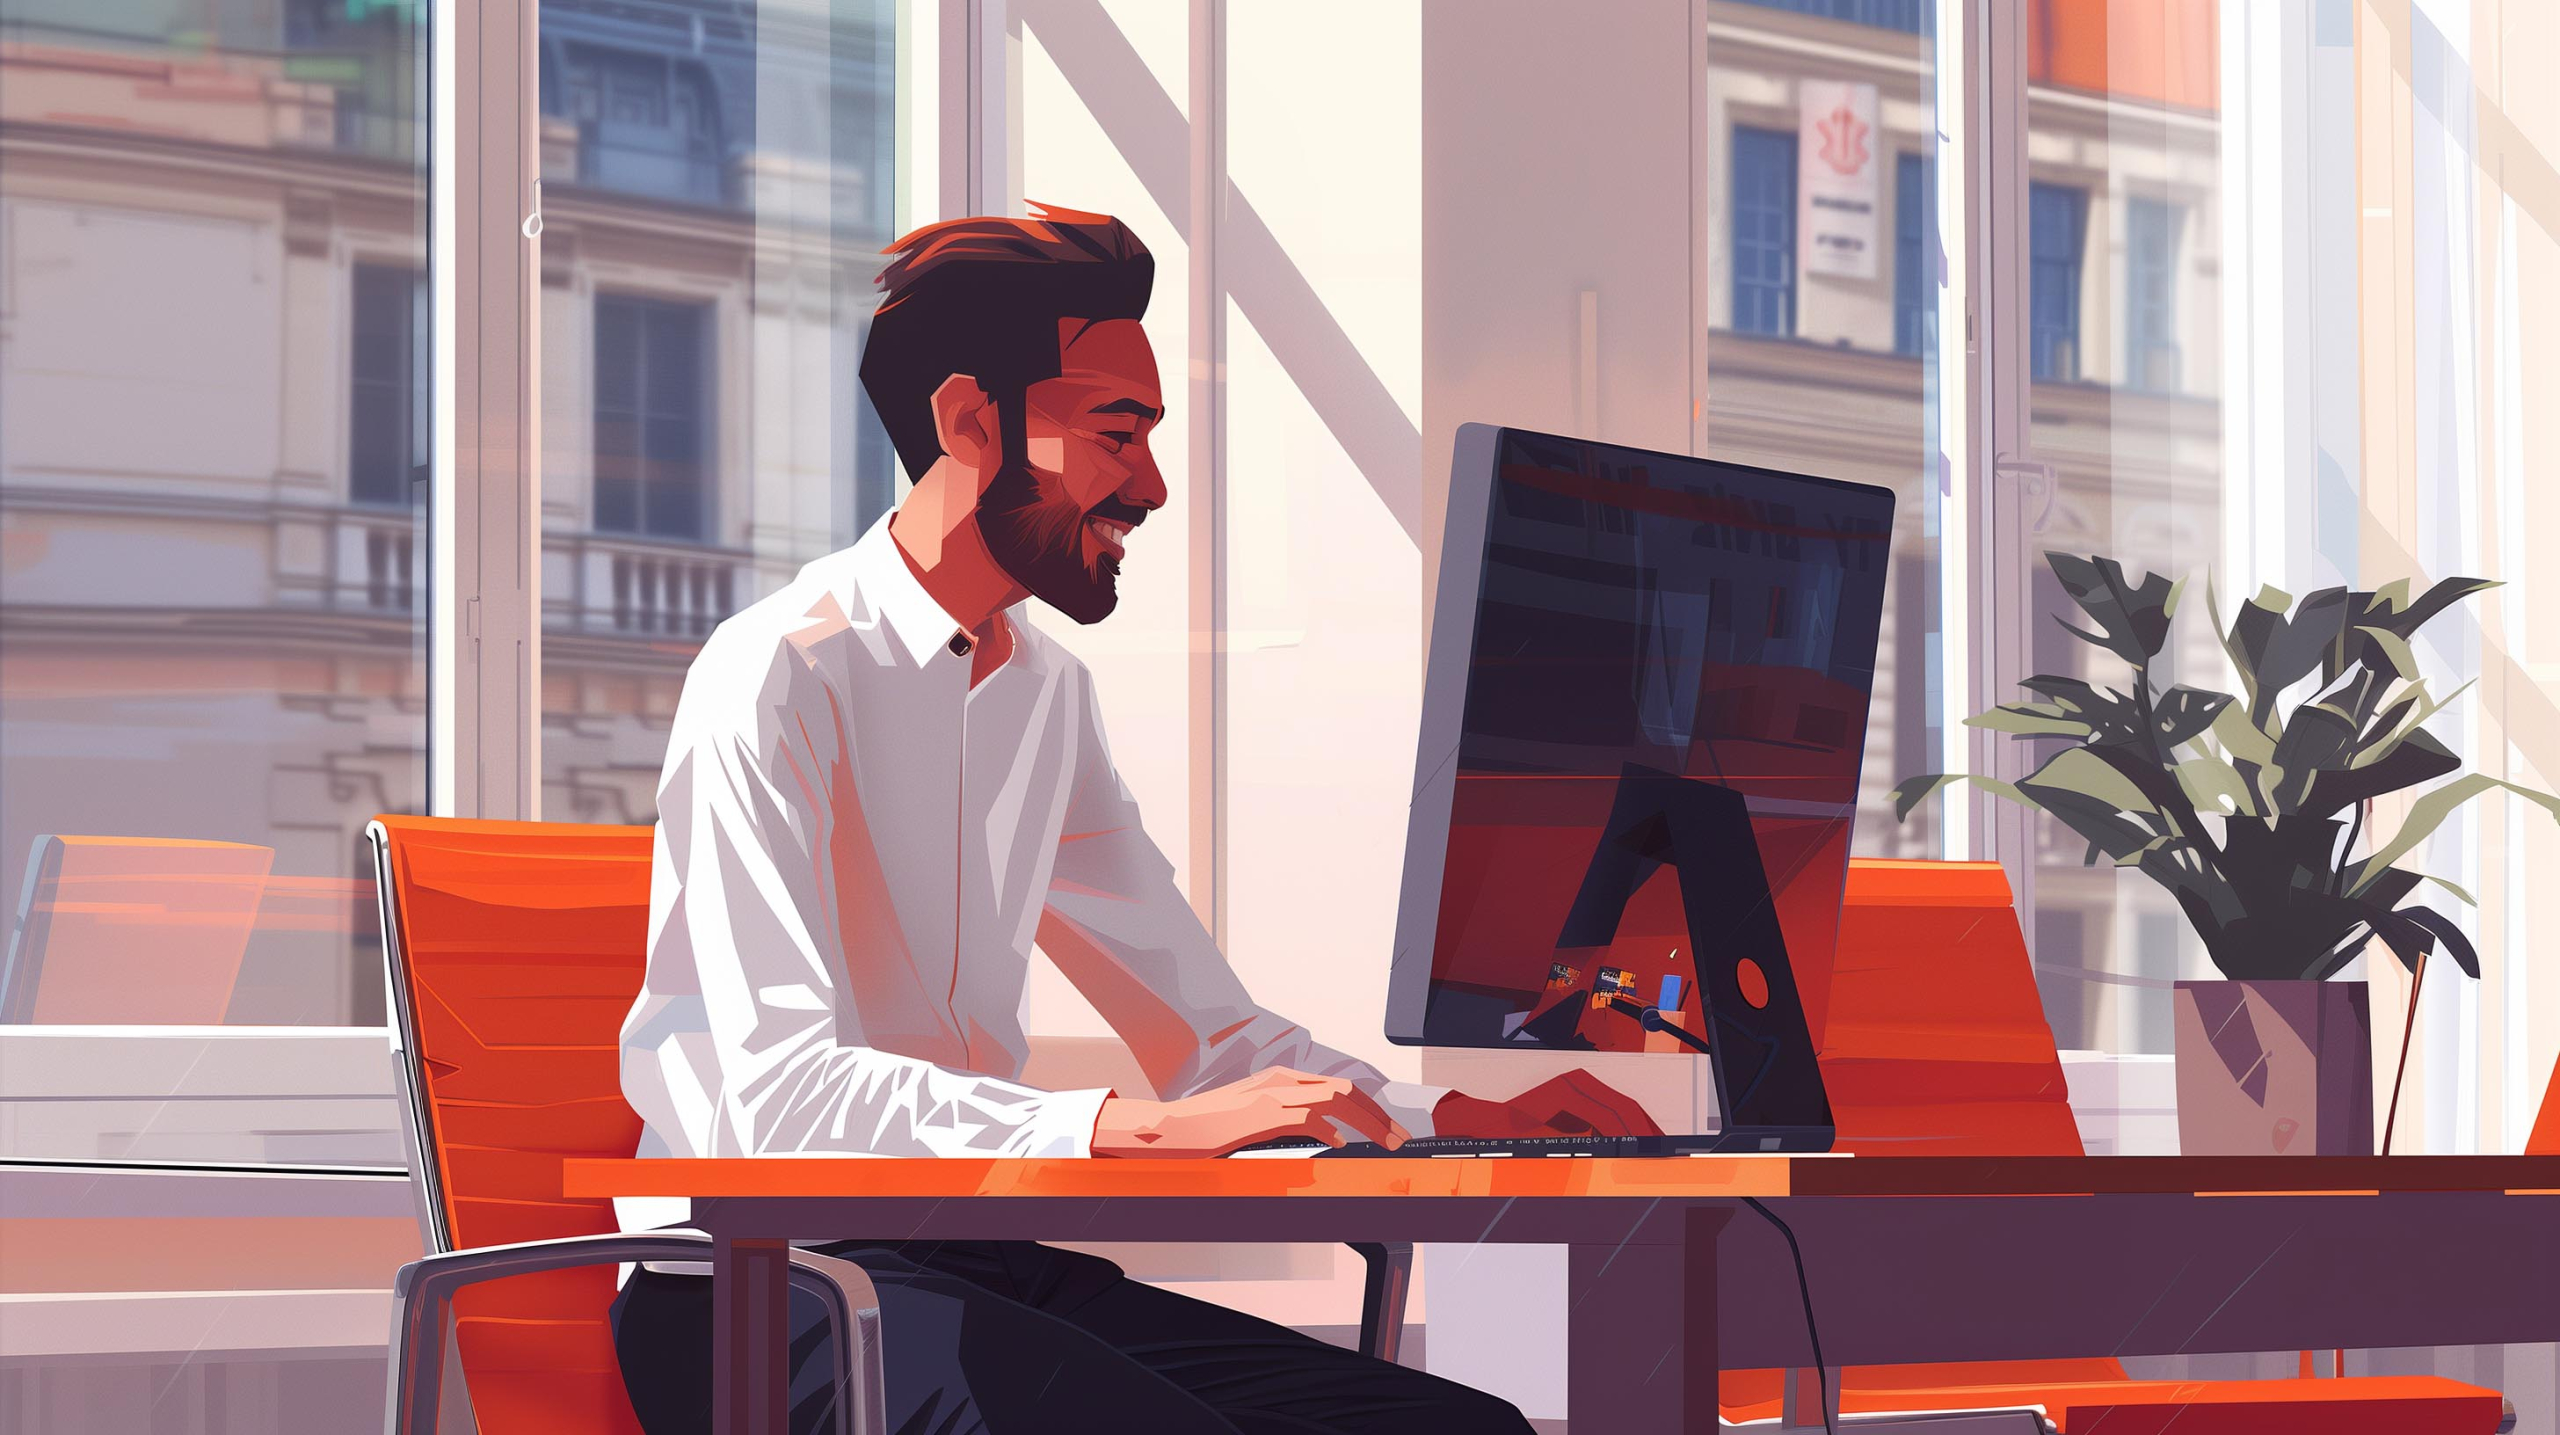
(883,787)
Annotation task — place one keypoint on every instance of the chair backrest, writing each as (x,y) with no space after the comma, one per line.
(515,951)
(1937,1043)
(317,938)
(2545,1137)
(1936,1046)
(131,930)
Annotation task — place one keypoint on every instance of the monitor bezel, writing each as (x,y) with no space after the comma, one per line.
(1451,651)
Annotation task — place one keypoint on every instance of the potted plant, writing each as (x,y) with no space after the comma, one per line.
(2251,811)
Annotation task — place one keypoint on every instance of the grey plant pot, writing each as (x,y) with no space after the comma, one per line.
(2274,1069)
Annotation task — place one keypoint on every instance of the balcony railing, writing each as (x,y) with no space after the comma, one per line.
(597,583)
(375,560)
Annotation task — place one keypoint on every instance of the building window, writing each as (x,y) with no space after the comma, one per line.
(386,443)
(1911,17)
(652,387)
(647,124)
(1915,290)
(1764,231)
(2057,223)
(2151,294)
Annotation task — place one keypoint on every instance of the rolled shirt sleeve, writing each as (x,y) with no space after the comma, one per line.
(1119,928)
(738,1045)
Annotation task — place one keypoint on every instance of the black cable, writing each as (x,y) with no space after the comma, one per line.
(1821,1372)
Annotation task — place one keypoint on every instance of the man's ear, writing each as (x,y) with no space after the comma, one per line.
(964,420)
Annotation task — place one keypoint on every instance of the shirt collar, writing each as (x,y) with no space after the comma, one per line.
(890,588)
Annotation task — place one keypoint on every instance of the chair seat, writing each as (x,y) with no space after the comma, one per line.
(2357,1405)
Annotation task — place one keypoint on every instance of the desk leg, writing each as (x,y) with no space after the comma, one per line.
(1640,1333)
(751,1336)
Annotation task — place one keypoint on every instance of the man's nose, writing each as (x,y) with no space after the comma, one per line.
(1145,488)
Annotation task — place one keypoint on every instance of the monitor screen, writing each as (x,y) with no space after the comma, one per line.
(1604,610)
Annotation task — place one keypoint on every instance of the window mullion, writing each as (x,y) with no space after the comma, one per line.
(484,633)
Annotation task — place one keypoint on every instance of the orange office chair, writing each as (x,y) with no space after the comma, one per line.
(131,930)
(2544,1139)
(515,949)
(1937,1045)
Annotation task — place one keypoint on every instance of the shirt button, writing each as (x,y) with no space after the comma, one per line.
(960,645)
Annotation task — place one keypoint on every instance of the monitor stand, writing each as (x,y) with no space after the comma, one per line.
(1768,1084)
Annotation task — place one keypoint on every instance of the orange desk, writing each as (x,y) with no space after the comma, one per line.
(1673,1279)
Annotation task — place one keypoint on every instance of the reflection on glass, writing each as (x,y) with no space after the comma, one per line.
(1821,306)
(717,188)
(2123,309)
(212,471)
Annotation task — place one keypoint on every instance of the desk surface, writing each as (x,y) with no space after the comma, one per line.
(1692,1178)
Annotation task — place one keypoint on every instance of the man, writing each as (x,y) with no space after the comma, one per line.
(882,787)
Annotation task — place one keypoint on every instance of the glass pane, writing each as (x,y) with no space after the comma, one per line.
(2122,192)
(717,187)
(212,540)
(1821,351)
(1322,579)
(1080,129)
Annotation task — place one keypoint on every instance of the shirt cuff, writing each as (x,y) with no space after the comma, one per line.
(1411,1104)
(1067,1121)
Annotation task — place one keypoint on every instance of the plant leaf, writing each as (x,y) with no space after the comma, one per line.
(1912,791)
(2208,781)
(2183,713)
(2102,776)
(2410,726)
(2296,646)
(2429,813)
(2251,750)
(2456,942)
(2467,899)
(2412,932)
(2316,737)
(2079,779)
(2229,637)
(2419,760)
(2030,720)
(2407,621)
(2397,660)
(2108,713)
(2134,619)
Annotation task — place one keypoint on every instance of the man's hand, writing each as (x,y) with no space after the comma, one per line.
(1574,1104)
(1270,1103)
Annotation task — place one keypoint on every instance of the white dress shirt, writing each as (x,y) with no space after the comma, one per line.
(855,852)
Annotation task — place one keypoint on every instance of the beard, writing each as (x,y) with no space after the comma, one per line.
(1038,538)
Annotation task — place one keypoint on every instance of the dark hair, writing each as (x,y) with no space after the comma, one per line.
(984,297)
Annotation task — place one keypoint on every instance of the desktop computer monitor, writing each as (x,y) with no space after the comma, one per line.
(1632,650)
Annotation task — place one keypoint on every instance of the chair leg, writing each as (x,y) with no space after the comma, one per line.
(1382,1299)
(853,1315)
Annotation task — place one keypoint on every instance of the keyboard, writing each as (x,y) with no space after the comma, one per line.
(1483,1146)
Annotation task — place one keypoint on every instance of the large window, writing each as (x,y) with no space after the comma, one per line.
(719,181)
(214,595)
(1824,231)
(2115,452)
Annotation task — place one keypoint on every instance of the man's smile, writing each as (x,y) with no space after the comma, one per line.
(1109,534)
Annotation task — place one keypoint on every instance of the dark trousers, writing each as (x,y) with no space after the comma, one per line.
(1011,1336)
